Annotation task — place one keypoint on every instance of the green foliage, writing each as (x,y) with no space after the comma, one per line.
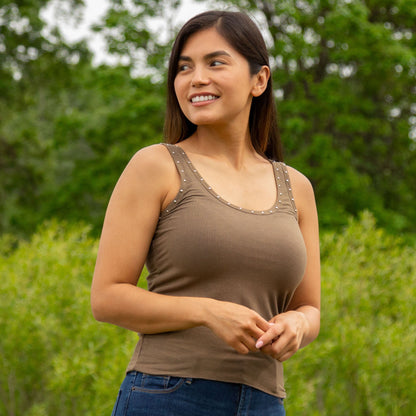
(344,78)
(362,362)
(344,72)
(65,151)
(56,359)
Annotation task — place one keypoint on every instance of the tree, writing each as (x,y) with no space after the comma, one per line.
(344,76)
(67,128)
(344,73)
(29,64)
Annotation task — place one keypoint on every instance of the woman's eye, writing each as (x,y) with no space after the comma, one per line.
(217,63)
(183,67)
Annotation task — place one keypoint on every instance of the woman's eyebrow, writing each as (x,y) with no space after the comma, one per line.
(206,57)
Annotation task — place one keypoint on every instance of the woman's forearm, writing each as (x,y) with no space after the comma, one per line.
(146,312)
(139,310)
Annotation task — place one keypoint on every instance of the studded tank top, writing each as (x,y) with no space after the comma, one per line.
(205,246)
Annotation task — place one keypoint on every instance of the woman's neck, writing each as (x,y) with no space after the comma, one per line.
(232,146)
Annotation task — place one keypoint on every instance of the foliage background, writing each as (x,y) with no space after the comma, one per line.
(344,78)
(57,360)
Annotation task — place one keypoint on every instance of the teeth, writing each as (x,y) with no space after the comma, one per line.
(201,98)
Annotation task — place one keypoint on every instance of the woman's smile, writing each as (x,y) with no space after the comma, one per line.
(202,99)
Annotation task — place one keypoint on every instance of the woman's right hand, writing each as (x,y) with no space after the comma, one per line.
(237,325)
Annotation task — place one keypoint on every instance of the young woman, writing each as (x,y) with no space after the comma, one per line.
(229,234)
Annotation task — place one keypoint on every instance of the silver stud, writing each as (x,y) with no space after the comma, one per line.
(182,170)
(209,187)
(218,196)
(178,161)
(184,180)
(280,193)
(174,200)
(262,212)
(252,211)
(270,211)
(290,189)
(240,208)
(180,190)
(202,179)
(277,207)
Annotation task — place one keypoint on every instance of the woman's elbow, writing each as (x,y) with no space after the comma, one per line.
(99,306)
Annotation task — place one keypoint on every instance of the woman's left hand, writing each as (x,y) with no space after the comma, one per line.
(285,335)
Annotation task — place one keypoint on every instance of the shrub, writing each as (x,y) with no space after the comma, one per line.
(363,360)
(57,360)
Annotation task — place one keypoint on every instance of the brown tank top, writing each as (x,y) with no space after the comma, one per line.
(207,247)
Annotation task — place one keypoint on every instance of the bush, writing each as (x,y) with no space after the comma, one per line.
(57,360)
(363,360)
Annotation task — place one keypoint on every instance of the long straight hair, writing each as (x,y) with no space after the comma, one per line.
(245,37)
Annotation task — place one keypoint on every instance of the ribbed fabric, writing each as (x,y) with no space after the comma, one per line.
(204,246)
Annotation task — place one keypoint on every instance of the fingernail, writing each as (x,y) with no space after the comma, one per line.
(259,344)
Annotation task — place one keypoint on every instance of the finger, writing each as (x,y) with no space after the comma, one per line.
(258,329)
(250,343)
(263,324)
(241,348)
(281,349)
(274,332)
(279,357)
(256,332)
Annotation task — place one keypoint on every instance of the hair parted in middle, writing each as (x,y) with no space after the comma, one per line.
(244,36)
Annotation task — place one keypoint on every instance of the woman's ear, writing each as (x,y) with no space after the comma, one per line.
(261,80)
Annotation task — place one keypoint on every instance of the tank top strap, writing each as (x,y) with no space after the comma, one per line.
(182,163)
(286,202)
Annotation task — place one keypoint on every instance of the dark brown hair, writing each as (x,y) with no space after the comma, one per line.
(245,37)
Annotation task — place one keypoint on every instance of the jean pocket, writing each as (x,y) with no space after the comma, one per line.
(148,383)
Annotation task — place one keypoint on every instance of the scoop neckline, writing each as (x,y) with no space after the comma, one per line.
(272,209)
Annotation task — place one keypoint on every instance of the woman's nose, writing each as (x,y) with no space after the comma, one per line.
(200,77)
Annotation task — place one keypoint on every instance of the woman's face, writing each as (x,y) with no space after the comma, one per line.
(213,84)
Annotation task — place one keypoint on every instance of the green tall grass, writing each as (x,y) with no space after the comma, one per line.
(55,359)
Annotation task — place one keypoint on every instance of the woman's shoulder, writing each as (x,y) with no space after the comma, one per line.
(155,156)
(302,189)
(151,161)
(150,167)
(298,179)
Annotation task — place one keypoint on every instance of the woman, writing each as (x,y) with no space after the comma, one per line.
(230,239)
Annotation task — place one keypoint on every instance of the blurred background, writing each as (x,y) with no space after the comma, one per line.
(82,88)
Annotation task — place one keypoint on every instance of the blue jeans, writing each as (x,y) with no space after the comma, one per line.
(147,395)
